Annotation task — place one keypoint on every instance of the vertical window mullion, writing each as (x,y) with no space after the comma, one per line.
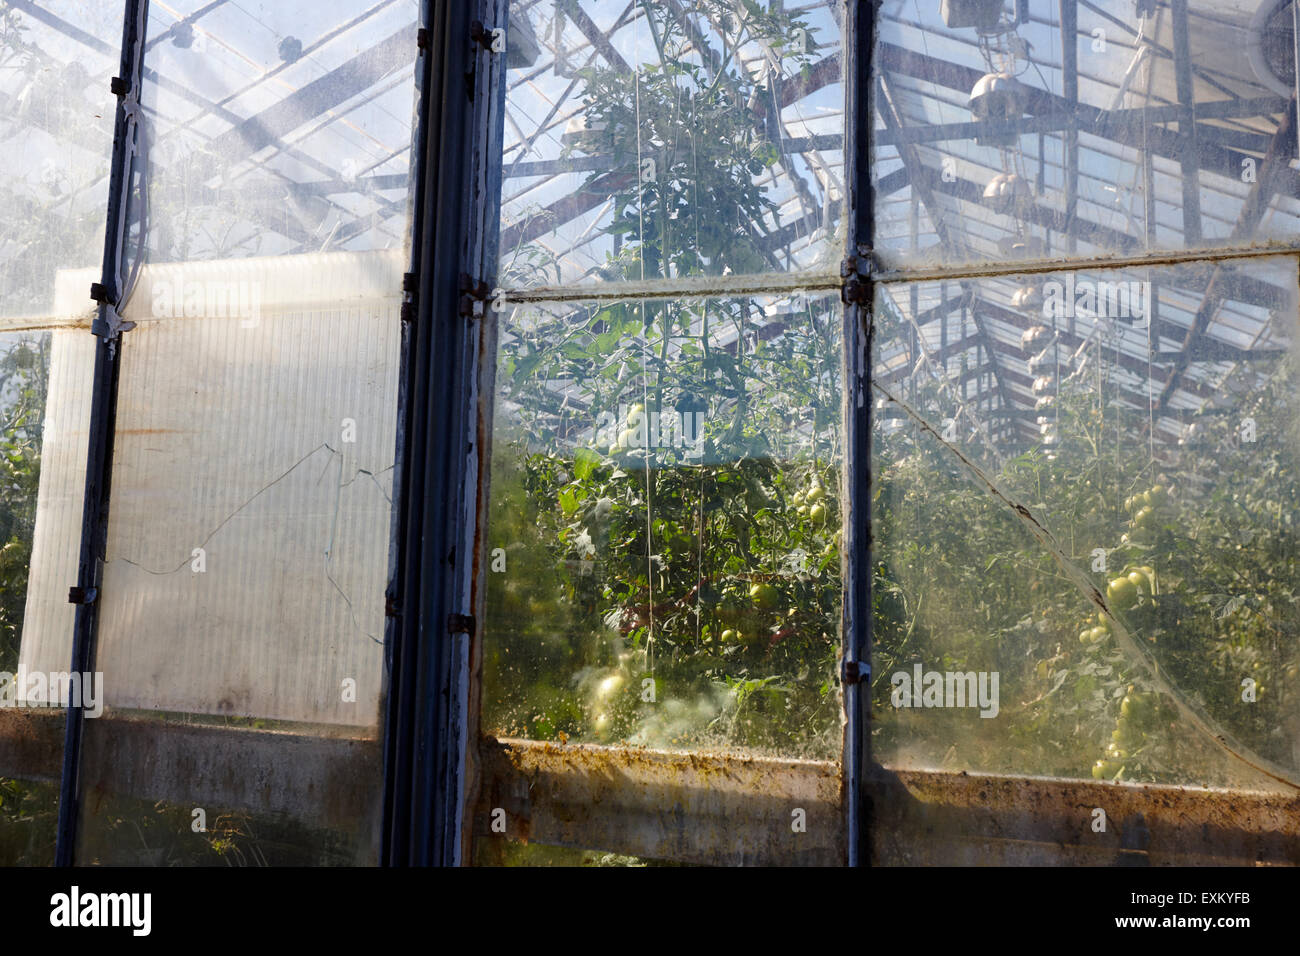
(433,592)
(857,289)
(99,461)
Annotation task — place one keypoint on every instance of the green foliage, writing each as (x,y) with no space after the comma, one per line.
(1215,529)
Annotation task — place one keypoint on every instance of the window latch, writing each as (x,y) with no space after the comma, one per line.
(410,286)
(855,672)
(856,284)
(80,595)
(474,296)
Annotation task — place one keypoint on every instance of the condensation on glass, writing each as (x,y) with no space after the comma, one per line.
(663,140)
(662,563)
(664,525)
(1117,134)
(241,616)
(1144,420)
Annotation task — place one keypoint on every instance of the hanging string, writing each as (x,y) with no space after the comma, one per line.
(645,351)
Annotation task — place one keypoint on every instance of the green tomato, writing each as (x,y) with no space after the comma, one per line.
(1141,582)
(1158,495)
(764,596)
(728,636)
(817,513)
(1122,593)
(610,686)
(815,494)
(1106,769)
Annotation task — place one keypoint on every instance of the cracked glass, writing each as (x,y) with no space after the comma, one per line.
(241,617)
(1118,600)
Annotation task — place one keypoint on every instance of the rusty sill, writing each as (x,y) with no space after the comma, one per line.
(687,807)
(722,810)
(709,809)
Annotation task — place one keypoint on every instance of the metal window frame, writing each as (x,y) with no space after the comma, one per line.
(434,596)
(103,415)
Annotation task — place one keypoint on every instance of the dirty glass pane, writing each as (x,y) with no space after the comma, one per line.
(1085,552)
(1124,130)
(57,136)
(663,526)
(31,722)
(241,608)
(667,139)
(278,128)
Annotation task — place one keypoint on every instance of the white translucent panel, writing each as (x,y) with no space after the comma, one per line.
(47,625)
(252,481)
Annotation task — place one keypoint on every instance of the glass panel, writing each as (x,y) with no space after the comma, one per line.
(1118,134)
(662,139)
(55,65)
(31,718)
(1145,421)
(278,128)
(664,526)
(57,138)
(241,609)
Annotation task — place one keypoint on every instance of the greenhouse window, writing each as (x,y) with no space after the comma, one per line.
(549,432)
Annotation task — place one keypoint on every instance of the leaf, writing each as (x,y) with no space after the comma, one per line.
(584,462)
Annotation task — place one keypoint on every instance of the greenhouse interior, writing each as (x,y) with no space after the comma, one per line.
(649,433)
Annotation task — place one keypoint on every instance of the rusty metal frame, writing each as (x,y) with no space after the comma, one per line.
(433,595)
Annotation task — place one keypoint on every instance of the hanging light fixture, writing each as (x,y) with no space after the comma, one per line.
(981,14)
(997,99)
(1008,193)
(1032,336)
(1028,299)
